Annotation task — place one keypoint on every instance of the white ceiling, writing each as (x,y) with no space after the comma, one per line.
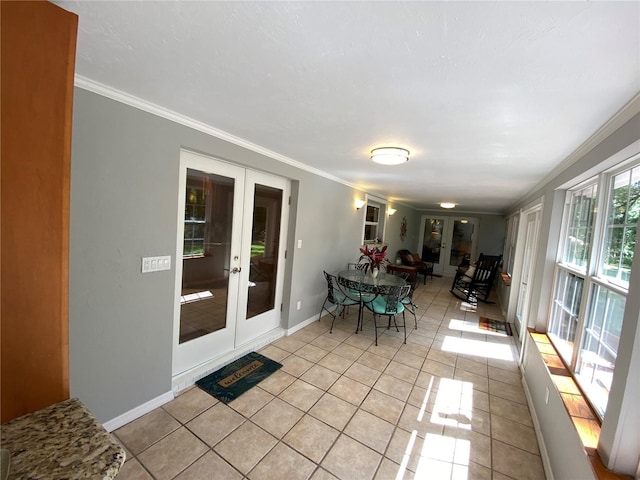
(488,96)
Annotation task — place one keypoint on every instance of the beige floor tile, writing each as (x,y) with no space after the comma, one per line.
(312,353)
(516,463)
(189,404)
(406,448)
(409,359)
(320,376)
(349,459)
(473,471)
(216,423)
(388,470)
(362,374)
(301,394)
(423,423)
(348,351)
(402,371)
(277,382)
(423,398)
(370,430)
(336,363)
(251,401)
(470,446)
(393,386)
(132,470)
(442,357)
(514,411)
(507,391)
(274,353)
(211,467)
(349,390)
(172,454)
(383,350)
(307,335)
(326,342)
(278,417)
(282,463)
(146,430)
(289,344)
(359,341)
(513,378)
(479,382)
(296,366)
(246,446)
(383,406)
(322,474)
(371,360)
(477,367)
(333,411)
(514,433)
(312,438)
(438,369)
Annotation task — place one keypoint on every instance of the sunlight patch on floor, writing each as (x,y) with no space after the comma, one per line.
(195,297)
(454,404)
(444,457)
(479,348)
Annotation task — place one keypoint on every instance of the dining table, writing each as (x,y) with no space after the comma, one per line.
(365,286)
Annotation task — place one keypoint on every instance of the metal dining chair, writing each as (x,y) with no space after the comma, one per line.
(388,302)
(409,304)
(336,297)
(359,292)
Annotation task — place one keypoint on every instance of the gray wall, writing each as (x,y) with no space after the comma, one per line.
(124,197)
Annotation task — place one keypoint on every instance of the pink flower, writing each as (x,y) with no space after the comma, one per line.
(374,255)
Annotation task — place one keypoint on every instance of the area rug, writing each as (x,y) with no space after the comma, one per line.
(492,325)
(232,380)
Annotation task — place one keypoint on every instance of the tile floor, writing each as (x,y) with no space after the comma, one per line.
(448,404)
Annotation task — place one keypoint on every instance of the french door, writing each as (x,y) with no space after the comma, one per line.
(445,241)
(230,269)
(530,247)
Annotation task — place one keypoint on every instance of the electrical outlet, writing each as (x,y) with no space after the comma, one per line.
(299,305)
(546,396)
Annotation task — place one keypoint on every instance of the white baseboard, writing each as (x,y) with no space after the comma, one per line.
(544,455)
(137,412)
(186,379)
(301,325)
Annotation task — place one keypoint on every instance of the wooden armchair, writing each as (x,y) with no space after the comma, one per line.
(414,260)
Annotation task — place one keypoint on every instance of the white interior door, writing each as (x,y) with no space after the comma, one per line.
(444,241)
(524,293)
(229,273)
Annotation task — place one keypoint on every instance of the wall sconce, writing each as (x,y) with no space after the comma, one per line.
(447,205)
(391,211)
(390,155)
(359,204)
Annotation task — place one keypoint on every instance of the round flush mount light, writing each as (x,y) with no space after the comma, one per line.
(447,205)
(390,155)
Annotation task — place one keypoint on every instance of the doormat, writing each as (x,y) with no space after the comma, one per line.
(492,325)
(232,380)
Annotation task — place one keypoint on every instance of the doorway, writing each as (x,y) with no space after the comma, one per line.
(231,257)
(529,232)
(447,241)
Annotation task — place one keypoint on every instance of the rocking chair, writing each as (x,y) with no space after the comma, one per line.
(475,282)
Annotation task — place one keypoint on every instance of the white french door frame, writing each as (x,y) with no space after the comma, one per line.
(239,330)
(443,267)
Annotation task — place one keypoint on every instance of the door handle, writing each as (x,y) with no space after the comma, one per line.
(233,270)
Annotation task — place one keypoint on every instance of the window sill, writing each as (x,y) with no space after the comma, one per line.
(584,419)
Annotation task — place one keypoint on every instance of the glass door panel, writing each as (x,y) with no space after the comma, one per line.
(265,245)
(432,241)
(207,239)
(461,242)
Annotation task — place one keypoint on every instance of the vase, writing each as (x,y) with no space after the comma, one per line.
(374,272)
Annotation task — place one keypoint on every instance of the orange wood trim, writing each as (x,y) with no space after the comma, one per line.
(38,60)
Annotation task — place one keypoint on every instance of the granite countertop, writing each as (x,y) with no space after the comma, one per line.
(63,440)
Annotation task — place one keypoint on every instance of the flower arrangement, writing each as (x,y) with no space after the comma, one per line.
(374,255)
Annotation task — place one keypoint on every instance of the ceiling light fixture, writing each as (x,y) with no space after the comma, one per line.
(447,205)
(390,155)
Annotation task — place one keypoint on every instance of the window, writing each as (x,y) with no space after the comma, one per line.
(371,224)
(592,278)
(510,243)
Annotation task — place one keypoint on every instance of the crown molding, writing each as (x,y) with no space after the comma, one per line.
(621,117)
(149,107)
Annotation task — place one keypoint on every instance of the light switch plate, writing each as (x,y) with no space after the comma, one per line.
(156,264)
